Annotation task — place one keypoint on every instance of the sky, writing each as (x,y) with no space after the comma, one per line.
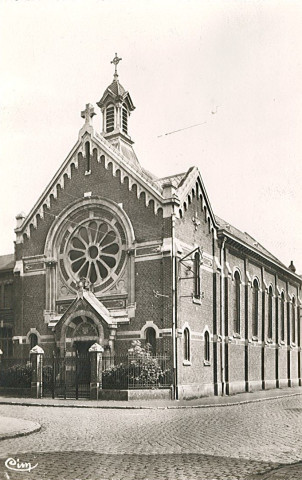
(233,68)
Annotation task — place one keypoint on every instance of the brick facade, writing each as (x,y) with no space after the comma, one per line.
(155,256)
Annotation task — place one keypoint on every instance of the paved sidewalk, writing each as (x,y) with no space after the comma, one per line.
(205,402)
(16,427)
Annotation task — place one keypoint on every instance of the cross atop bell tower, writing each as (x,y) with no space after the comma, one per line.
(116,61)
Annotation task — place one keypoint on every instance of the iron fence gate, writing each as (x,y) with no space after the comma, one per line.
(67,377)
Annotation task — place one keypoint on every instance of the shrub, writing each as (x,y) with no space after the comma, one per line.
(16,376)
(139,369)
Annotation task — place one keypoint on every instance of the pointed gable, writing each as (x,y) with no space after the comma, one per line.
(109,156)
(88,302)
(184,186)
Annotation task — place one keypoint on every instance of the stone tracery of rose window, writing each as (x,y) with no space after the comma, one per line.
(94,251)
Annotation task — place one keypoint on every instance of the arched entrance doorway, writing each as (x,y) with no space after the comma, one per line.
(81,330)
(72,368)
(84,333)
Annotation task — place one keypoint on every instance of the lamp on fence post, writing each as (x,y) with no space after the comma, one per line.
(36,355)
(1,353)
(95,352)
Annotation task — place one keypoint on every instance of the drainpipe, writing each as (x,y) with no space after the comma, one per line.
(174,308)
(222,318)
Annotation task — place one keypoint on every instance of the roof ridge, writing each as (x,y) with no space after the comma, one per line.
(256,244)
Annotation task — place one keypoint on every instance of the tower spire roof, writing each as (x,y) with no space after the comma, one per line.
(116,106)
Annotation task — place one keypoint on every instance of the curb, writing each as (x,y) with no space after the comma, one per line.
(22,433)
(232,404)
(276,471)
(148,407)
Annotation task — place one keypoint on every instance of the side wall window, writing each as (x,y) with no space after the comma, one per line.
(207,346)
(33,340)
(282,317)
(255,308)
(293,320)
(196,273)
(151,338)
(186,345)
(270,313)
(236,303)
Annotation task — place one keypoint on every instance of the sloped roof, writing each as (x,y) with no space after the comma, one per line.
(174,179)
(116,91)
(247,239)
(7,262)
(116,88)
(98,306)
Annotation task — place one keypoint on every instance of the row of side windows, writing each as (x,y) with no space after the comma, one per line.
(280,309)
(187,345)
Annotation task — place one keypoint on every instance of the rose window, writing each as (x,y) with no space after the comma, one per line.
(94,251)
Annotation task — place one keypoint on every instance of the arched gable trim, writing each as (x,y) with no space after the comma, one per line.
(35,332)
(186,325)
(256,278)
(82,313)
(236,269)
(206,329)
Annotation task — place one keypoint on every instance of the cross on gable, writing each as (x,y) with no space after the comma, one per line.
(88,113)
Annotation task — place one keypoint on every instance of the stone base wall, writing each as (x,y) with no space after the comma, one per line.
(188,392)
(139,394)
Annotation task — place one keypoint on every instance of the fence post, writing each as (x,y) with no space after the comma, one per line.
(36,355)
(95,352)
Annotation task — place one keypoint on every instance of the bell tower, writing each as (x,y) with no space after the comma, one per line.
(116,106)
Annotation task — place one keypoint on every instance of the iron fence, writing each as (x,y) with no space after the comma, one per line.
(69,376)
(133,371)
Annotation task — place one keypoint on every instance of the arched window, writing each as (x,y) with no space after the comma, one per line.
(282,317)
(207,346)
(110,119)
(255,308)
(33,340)
(293,320)
(124,119)
(151,338)
(270,313)
(196,275)
(236,303)
(187,344)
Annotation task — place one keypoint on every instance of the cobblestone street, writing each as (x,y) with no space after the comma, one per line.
(246,442)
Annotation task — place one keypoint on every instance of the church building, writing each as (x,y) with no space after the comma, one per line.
(110,254)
